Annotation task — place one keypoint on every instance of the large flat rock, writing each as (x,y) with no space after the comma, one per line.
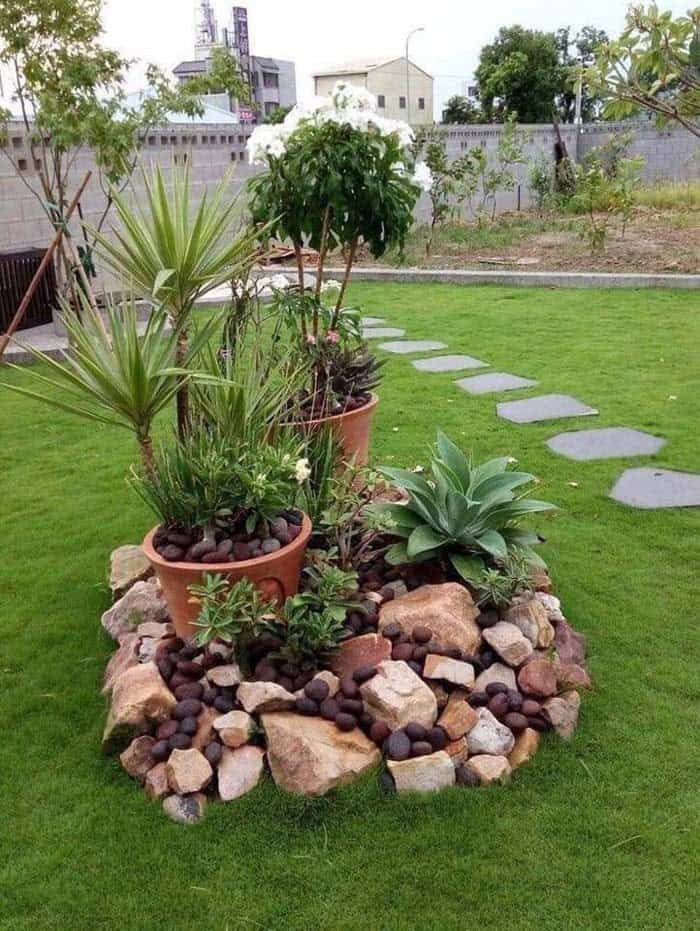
(406,346)
(372,321)
(448,364)
(648,488)
(381,332)
(543,407)
(447,609)
(494,381)
(310,756)
(606,443)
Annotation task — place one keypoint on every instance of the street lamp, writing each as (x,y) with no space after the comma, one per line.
(408,72)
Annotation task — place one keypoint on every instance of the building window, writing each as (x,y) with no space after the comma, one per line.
(222,140)
(271,106)
(205,140)
(37,164)
(241,156)
(270,79)
(22,164)
(241,140)
(381,101)
(402,103)
(151,140)
(421,103)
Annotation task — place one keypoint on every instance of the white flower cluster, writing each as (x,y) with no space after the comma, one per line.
(346,106)
(422,176)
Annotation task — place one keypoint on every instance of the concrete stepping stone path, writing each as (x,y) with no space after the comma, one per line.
(403,347)
(494,381)
(647,488)
(372,321)
(543,407)
(606,443)
(381,332)
(448,364)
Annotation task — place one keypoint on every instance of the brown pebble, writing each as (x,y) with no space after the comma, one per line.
(345,721)
(402,651)
(379,732)
(421,748)
(515,721)
(349,687)
(363,673)
(392,630)
(329,709)
(421,634)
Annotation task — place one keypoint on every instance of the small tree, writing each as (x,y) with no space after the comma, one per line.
(430,144)
(653,66)
(461,110)
(480,179)
(70,92)
(540,180)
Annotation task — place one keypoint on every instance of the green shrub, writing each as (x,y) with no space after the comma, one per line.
(466,514)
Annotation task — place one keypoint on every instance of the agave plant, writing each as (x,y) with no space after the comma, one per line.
(114,374)
(175,255)
(469,514)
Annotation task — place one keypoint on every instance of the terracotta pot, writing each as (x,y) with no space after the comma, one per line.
(352,429)
(276,575)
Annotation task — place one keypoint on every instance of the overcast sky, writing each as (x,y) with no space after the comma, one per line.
(314,33)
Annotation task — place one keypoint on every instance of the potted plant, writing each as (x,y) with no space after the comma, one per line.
(337,175)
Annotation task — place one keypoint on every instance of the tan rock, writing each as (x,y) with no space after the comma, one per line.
(205,727)
(562,713)
(538,678)
(508,641)
(530,617)
(260,697)
(185,809)
(447,609)
(121,660)
(367,650)
(458,750)
(572,676)
(234,728)
(239,771)
(542,581)
(552,606)
(143,602)
(450,670)
(440,692)
(310,756)
(459,717)
(139,697)
(525,747)
(396,695)
(137,758)
(331,680)
(128,565)
(489,735)
(155,629)
(496,672)
(156,783)
(188,771)
(423,773)
(570,644)
(225,676)
(489,768)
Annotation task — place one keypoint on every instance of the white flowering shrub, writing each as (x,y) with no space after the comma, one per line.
(337,174)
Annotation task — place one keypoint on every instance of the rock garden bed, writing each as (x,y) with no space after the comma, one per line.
(428,691)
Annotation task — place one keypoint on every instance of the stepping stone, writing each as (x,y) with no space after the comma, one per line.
(372,321)
(607,443)
(493,381)
(381,332)
(412,345)
(448,364)
(543,407)
(647,487)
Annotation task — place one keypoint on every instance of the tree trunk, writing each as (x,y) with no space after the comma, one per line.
(146,445)
(182,396)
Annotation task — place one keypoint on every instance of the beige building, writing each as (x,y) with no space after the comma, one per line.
(403,90)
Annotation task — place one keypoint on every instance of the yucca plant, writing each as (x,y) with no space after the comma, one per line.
(468,514)
(114,374)
(175,254)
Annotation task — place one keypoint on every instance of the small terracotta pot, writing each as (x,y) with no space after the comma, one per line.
(352,429)
(276,575)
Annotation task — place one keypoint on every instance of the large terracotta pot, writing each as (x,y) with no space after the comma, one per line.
(352,429)
(276,575)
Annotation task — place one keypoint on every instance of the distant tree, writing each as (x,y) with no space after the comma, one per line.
(653,66)
(69,89)
(576,54)
(520,73)
(277,115)
(461,110)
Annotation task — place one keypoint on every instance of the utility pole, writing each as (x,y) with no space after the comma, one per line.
(408,74)
(579,96)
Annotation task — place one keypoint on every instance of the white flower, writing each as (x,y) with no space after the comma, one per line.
(330,285)
(302,470)
(347,97)
(279,283)
(422,176)
(267,140)
(418,469)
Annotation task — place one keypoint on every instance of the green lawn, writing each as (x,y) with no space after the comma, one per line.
(601,833)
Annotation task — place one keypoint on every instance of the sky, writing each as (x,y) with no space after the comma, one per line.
(316,33)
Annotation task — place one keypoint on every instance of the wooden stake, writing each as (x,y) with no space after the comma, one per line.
(34,283)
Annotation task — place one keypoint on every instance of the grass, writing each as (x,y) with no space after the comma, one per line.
(670,195)
(601,833)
